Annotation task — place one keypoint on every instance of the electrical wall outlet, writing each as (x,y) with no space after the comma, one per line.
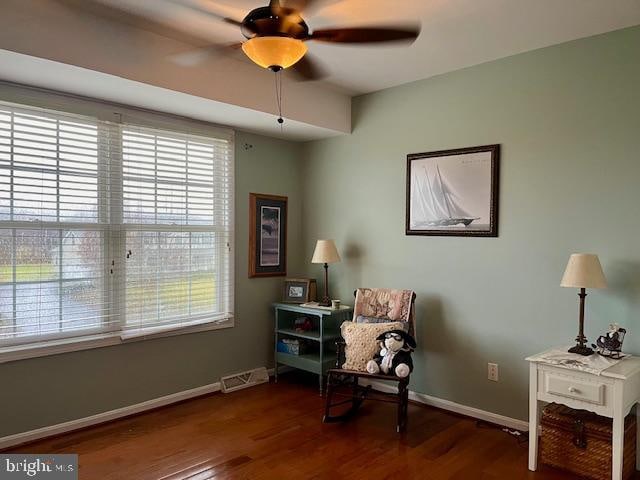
(492,371)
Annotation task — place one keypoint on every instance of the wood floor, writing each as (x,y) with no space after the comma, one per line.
(273,431)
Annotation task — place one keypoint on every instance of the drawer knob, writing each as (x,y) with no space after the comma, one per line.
(573,390)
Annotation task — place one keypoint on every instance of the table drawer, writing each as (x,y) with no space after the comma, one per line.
(571,387)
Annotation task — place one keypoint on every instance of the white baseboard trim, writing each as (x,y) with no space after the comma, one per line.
(60,428)
(472,412)
(44,432)
(39,433)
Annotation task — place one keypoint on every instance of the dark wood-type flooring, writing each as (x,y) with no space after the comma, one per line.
(273,431)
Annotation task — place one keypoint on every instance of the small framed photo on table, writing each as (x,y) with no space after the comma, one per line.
(267,235)
(299,290)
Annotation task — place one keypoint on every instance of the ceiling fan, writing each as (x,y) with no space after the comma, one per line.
(276,34)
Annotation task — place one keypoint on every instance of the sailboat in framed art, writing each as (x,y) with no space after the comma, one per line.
(453,192)
(436,202)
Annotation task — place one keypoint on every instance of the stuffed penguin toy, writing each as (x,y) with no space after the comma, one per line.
(395,354)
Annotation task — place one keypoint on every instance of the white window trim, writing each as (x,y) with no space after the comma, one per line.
(103,110)
(75,344)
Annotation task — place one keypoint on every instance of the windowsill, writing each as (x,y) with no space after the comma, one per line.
(55,347)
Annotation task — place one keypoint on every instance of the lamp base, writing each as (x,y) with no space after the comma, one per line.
(581,350)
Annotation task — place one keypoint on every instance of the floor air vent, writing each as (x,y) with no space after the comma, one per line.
(244,380)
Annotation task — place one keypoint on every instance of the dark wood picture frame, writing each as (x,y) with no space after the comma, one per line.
(262,262)
(458,229)
(309,292)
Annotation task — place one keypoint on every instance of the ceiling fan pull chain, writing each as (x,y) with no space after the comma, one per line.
(280,107)
(279,97)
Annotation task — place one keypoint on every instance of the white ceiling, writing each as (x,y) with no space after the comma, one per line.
(51,45)
(455,33)
(27,70)
(460,33)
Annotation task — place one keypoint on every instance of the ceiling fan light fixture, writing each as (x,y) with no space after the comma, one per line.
(274,52)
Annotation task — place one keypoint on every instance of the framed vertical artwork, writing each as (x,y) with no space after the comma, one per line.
(453,192)
(267,235)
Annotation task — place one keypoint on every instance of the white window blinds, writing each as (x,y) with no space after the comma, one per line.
(177,220)
(110,227)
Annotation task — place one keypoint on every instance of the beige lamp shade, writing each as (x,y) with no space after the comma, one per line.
(583,271)
(325,252)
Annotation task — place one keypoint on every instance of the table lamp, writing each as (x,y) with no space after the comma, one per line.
(583,271)
(325,252)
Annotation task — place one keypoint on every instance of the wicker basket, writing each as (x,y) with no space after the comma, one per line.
(580,442)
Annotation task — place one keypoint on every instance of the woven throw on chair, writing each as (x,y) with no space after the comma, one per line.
(384,303)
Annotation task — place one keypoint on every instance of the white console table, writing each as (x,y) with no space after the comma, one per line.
(611,394)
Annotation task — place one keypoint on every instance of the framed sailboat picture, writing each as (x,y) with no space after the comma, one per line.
(453,192)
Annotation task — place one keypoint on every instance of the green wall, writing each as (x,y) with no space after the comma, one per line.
(49,390)
(568,120)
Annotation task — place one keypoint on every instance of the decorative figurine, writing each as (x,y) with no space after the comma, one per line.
(610,344)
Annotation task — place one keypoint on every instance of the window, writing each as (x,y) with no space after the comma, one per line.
(176,215)
(110,228)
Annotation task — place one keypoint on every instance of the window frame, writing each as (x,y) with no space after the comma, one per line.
(112,239)
(219,230)
(74,344)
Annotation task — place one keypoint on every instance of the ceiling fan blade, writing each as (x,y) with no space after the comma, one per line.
(138,20)
(129,18)
(300,5)
(365,34)
(283,11)
(295,8)
(308,69)
(207,12)
(192,58)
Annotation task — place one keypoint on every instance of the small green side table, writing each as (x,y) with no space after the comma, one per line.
(327,330)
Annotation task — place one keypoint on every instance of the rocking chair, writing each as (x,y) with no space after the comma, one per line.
(340,379)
